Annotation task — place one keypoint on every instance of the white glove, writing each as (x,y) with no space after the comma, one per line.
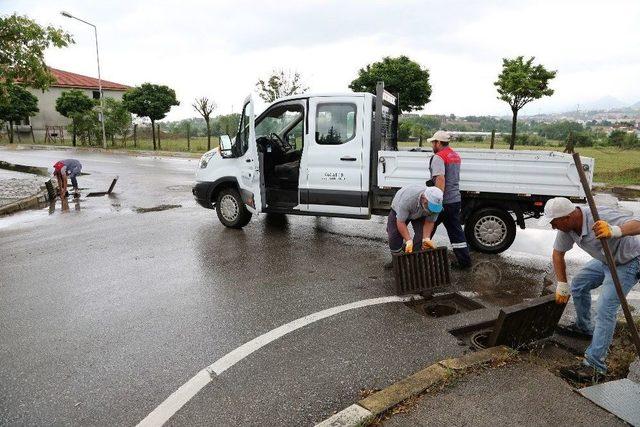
(562,293)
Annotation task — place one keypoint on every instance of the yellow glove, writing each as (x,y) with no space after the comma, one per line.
(562,293)
(408,247)
(427,244)
(604,230)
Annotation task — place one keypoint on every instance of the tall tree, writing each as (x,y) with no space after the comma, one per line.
(400,75)
(74,104)
(279,84)
(150,100)
(17,104)
(22,46)
(205,107)
(519,83)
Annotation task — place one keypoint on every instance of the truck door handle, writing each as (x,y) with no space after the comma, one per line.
(348,159)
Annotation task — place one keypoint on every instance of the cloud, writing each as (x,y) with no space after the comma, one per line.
(221,48)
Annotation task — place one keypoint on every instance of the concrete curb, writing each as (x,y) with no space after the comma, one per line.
(366,409)
(30,202)
(102,150)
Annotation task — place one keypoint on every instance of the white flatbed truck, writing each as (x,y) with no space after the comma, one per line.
(337,155)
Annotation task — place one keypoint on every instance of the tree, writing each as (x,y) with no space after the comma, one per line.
(205,108)
(227,124)
(73,104)
(400,75)
(17,104)
(152,101)
(519,83)
(117,120)
(279,84)
(419,131)
(22,46)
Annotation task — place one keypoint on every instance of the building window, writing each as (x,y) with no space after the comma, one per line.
(96,94)
(335,123)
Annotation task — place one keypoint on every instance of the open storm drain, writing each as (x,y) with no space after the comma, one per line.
(444,305)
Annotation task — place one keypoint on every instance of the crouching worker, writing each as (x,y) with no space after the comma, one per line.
(575,225)
(420,206)
(67,168)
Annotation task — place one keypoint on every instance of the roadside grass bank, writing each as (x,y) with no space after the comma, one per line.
(196,144)
(614,166)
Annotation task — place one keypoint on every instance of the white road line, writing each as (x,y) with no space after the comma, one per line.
(181,396)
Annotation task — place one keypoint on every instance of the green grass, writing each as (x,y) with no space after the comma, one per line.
(197,144)
(614,166)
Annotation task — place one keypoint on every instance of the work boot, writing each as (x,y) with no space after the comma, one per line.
(572,330)
(581,373)
(459,267)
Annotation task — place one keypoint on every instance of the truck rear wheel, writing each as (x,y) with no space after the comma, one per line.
(490,230)
(231,209)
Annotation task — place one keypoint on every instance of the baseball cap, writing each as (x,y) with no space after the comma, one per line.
(434,199)
(556,208)
(440,136)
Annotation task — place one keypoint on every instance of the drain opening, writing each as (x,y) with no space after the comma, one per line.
(440,310)
(444,305)
(480,340)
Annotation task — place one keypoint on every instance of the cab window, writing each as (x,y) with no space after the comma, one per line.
(335,123)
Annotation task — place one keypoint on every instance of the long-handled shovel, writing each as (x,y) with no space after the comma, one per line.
(608,255)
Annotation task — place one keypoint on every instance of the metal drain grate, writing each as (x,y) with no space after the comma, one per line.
(421,271)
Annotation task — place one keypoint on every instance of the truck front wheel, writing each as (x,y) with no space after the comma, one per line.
(231,209)
(490,230)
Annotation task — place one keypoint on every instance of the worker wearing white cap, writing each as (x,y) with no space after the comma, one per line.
(575,225)
(418,205)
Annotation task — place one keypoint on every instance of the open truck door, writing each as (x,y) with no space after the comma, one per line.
(251,184)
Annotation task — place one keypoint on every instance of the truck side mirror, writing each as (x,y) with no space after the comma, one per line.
(225,143)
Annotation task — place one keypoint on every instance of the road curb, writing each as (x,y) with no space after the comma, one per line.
(30,202)
(366,409)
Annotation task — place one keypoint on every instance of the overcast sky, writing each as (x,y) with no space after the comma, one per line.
(221,48)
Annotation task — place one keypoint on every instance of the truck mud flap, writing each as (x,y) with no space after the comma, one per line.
(422,272)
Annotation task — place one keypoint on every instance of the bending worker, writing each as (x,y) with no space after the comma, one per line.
(575,225)
(418,205)
(444,167)
(67,168)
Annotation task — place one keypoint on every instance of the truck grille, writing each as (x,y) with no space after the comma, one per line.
(422,271)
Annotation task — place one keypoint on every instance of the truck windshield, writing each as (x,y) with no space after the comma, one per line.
(279,119)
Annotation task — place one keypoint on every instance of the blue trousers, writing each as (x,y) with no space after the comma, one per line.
(395,238)
(596,274)
(450,217)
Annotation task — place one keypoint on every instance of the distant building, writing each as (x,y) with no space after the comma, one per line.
(65,80)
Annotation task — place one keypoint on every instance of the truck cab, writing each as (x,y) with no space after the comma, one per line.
(304,155)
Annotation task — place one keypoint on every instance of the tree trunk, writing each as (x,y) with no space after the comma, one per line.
(73,131)
(208,136)
(10,131)
(153,133)
(159,146)
(188,137)
(512,143)
(493,138)
(135,135)
(420,143)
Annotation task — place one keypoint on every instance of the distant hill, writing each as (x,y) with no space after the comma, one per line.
(635,106)
(604,103)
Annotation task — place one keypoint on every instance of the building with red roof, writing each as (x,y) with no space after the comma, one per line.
(66,80)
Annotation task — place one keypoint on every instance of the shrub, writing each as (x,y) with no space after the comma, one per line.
(616,137)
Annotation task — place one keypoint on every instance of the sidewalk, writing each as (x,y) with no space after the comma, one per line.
(20,191)
(519,393)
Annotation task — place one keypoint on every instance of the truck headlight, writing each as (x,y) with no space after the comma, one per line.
(204,160)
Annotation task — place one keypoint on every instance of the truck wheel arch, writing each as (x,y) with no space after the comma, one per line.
(220,184)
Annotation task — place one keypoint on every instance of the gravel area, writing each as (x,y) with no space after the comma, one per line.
(16,185)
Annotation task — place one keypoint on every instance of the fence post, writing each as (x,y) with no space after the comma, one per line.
(135,135)
(493,137)
(159,146)
(188,136)
(32,135)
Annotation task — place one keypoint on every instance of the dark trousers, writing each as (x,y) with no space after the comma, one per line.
(74,181)
(395,238)
(450,217)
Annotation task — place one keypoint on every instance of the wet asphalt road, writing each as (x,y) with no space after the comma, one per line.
(104,312)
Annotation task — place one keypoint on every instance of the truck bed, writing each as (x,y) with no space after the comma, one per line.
(521,172)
